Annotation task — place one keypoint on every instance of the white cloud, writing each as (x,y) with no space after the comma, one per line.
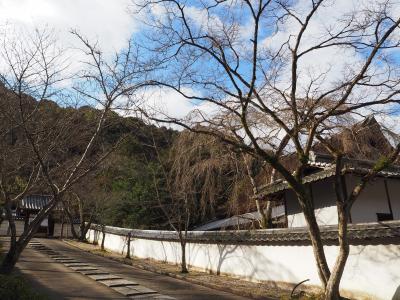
(166,104)
(333,62)
(107,21)
(330,61)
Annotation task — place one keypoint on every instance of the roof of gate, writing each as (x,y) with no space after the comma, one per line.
(37,202)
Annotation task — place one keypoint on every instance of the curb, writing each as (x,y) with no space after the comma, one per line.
(176,276)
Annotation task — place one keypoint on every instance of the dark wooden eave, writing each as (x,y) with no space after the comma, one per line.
(327,169)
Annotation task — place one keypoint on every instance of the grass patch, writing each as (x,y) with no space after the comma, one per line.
(15,287)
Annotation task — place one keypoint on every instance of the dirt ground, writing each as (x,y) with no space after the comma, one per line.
(255,290)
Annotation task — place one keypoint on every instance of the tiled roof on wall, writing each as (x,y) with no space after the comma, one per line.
(358,233)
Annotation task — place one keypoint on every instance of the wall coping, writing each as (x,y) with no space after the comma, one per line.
(365,233)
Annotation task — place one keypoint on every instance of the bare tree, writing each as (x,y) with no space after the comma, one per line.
(248,59)
(86,201)
(217,174)
(34,68)
(207,169)
(177,206)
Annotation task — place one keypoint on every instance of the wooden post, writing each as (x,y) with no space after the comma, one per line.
(285,207)
(67,228)
(62,227)
(388,198)
(26,223)
(346,195)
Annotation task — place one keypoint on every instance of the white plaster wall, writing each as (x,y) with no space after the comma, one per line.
(372,269)
(325,216)
(294,215)
(372,200)
(324,202)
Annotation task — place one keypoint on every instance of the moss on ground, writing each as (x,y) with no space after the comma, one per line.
(15,287)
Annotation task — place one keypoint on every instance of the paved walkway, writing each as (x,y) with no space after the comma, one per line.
(61,282)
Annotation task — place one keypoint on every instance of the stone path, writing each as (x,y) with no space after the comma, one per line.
(65,272)
(125,287)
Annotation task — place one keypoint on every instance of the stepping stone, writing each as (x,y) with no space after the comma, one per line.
(83,268)
(144,289)
(118,283)
(104,277)
(77,264)
(64,261)
(144,297)
(152,297)
(94,272)
(132,291)
(163,297)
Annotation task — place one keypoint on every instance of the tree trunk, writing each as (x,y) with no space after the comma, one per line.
(315,237)
(264,216)
(11,258)
(71,221)
(183,260)
(182,240)
(103,237)
(82,235)
(82,227)
(11,223)
(128,248)
(261,211)
(16,247)
(85,228)
(332,288)
(13,252)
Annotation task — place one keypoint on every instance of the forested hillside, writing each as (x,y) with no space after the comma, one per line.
(149,171)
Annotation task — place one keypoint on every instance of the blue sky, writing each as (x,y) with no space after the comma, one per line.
(112,23)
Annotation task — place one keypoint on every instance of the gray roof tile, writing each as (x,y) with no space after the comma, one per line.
(356,233)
